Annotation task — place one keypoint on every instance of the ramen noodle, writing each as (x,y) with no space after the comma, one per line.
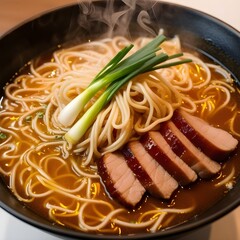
(60,181)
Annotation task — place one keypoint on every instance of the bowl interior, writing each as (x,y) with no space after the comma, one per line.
(78,23)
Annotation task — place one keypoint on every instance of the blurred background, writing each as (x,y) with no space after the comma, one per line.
(14,12)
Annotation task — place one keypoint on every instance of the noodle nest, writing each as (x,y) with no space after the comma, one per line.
(42,165)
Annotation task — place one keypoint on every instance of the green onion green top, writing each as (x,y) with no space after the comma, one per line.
(112,77)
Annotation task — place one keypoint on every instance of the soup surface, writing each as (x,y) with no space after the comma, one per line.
(60,181)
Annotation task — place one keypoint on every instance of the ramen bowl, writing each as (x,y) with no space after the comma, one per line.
(78,23)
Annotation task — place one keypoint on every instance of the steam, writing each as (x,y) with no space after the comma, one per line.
(116,16)
(145,22)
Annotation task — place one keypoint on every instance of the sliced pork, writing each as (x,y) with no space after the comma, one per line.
(183,149)
(197,160)
(158,181)
(119,180)
(214,142)
(159,149)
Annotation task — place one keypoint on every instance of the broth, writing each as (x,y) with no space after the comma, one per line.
(52,181)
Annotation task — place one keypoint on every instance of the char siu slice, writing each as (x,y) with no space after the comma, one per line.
(158,182)
(119,180)
(214,142)
(192,156)
(160,150)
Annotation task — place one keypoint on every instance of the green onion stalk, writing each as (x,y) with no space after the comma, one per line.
(111,78)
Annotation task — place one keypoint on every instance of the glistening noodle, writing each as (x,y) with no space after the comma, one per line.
(61,181)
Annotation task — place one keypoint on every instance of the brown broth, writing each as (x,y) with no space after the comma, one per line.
(193,195)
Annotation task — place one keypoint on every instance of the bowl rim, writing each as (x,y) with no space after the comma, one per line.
(66,232)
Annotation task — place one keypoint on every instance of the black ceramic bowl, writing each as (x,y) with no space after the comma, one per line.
(78,23)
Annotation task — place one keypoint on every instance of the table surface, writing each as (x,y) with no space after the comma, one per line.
(13,12)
